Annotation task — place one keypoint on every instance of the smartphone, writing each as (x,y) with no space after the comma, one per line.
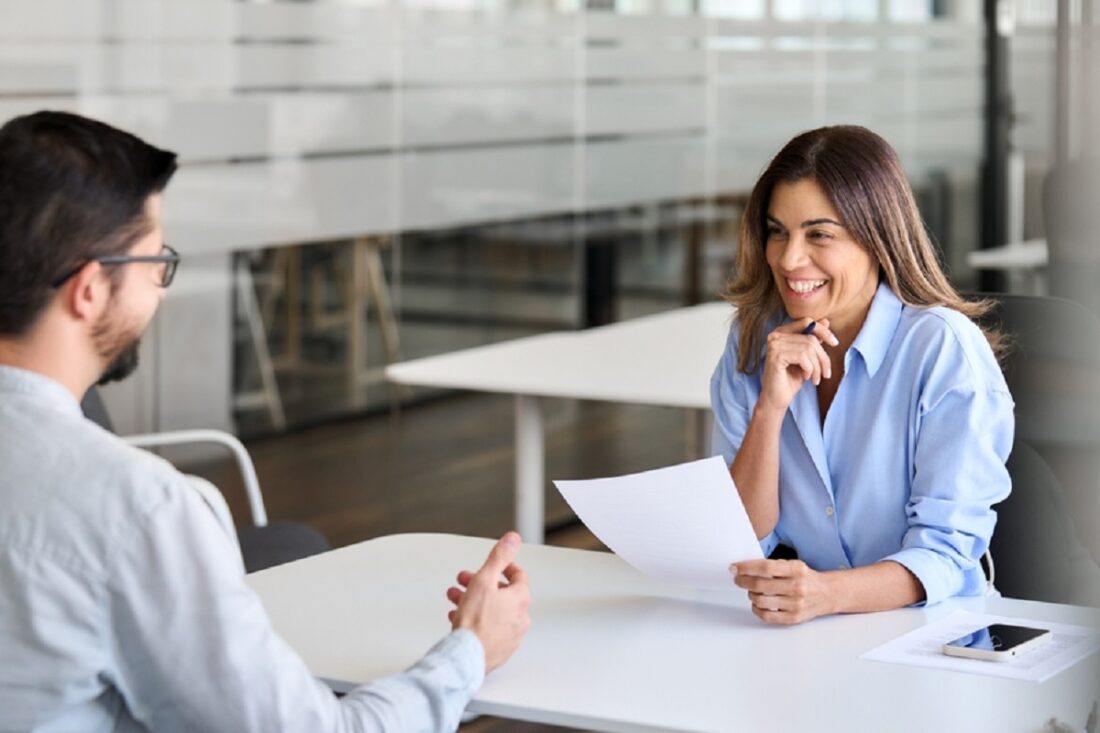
(997,642)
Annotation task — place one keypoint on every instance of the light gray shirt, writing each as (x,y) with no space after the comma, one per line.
(123,604)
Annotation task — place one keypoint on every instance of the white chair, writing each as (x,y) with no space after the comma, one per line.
(263,544)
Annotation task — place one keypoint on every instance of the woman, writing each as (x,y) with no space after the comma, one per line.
(862,412)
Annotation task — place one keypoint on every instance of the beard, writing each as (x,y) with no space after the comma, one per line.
(122,365)
(118,347)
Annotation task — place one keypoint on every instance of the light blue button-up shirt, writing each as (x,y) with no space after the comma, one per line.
(910,458)
(123,604)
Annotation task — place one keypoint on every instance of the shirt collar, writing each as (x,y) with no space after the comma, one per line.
(38,387)
(878,328)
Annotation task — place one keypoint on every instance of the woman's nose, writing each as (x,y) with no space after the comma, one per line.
(793,254)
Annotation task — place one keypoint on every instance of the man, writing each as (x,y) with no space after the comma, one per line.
(122,601)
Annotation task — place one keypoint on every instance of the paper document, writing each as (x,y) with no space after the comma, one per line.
(682,524)
(1067,646)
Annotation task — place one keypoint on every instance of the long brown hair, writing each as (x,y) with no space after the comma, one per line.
(862,177)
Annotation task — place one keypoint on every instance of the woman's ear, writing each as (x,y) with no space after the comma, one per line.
(87,293)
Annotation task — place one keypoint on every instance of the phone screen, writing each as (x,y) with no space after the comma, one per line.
(997,637)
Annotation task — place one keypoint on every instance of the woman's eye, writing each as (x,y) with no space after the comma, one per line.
(773,232)
(820,236)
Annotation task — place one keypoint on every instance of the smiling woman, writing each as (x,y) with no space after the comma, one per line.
(861,410)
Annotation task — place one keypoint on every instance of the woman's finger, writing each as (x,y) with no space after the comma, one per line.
(824,334)
(766,602)
(823,360)
(810,367)
(795,327)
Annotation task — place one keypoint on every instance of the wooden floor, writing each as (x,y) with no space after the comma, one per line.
(447,466)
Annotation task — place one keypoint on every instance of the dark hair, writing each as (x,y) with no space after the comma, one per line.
(71,189)
(864,180)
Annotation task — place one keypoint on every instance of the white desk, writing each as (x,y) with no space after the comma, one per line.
(1027,258)
(610,650)
(665,359)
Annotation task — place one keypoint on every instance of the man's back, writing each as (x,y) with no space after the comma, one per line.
(72,498)
(124,606)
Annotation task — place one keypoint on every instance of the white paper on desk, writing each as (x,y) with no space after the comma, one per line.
(921,647)
(681,524)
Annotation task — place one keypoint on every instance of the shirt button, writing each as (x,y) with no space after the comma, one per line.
(828,511)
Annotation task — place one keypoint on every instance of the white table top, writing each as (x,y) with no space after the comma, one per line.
(611,650)
(1027,255)
(664,359)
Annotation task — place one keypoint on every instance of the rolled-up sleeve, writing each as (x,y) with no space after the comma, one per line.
(962,443)
(732,405)
(194,649)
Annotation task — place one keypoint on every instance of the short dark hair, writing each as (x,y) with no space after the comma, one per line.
(71,189)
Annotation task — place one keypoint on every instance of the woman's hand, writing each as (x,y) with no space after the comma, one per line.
(792,357)
(785,591)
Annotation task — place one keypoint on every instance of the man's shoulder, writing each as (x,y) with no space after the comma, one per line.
(71,488)
(118,473)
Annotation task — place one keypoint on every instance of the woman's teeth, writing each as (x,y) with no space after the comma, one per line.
(805,286)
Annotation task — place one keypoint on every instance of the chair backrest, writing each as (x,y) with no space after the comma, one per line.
(1032,543)
(1053,371)
(94,410)
(1052,368)
(262,545)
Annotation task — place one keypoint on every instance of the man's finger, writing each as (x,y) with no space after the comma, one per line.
(515,575)
(502,554)
(454,595)
(464,578)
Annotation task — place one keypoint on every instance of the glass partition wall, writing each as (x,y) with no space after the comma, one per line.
(364,182)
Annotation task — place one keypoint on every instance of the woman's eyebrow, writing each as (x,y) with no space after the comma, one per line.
(807,223)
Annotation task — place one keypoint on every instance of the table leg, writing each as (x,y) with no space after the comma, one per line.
(530,469)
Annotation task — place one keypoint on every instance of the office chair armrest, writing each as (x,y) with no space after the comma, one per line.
(240,454)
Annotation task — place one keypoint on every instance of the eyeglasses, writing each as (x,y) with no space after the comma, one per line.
(169,259)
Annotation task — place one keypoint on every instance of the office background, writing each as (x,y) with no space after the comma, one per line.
(367,182)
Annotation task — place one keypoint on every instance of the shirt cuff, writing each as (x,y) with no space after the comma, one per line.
(769,543)
(464,650)
(940,579)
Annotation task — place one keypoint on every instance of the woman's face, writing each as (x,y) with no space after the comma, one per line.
(820,271)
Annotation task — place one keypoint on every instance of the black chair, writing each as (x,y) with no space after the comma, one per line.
(263,544)
(1032,545)
(1052,368)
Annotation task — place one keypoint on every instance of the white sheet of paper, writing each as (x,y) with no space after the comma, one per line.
(682,524)
(921,647)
